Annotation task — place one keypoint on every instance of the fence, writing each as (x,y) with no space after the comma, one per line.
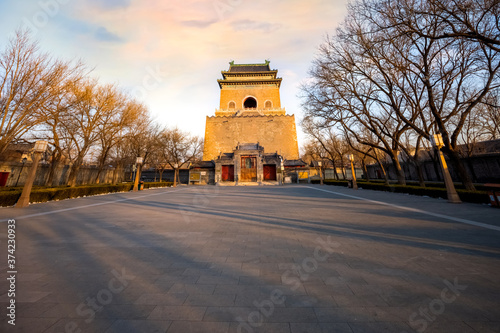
(483,169)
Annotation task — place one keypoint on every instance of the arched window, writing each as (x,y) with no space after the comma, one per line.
(250,103)
(269,105)
(232,105)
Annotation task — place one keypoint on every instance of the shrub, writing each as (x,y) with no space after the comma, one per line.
(438,191)
(331,182)
(9,198)
(41,194)
(158,184)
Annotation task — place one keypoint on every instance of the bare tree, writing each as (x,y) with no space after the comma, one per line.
(379,73)
(139,140)
(314,151)
(450,48)
(29,81)
(488,116)
(350,91)
(114,125)
(57,110)
(411,148)
(367,151)
(473,20)
(179,148)
(324,142)
(91,104)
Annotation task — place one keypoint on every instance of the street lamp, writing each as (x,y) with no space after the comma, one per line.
(280,170)
(354,183)
(176,165)
(134,168)
(24,199)
(437,142)
(320,173)
(138,161)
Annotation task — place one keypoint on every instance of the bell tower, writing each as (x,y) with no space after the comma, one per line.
(250,112)
(253,88)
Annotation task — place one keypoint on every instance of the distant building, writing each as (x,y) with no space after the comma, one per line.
(250,136)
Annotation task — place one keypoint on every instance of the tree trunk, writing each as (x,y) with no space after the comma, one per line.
(99,171)
(471,168)
(418,167)
(420,173)
(335,170)
(343,169)
(460,169)
(386,178)
(56,159)
(336,173)
(115,172)
(74,171)
(399,171)
(365,170)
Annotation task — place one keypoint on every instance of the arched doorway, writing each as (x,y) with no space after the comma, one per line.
(250,103)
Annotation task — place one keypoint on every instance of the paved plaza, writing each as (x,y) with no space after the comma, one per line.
(297,258)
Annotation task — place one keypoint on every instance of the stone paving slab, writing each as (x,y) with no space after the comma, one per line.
(295,258)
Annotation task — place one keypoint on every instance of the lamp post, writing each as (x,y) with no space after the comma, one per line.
(175,174)
(354,183)
(437,142)
(134,168)
(138,161)
(320,173)
(24,199)
(281,170)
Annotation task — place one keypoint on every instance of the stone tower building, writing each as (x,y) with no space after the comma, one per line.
(250,111)
(250,134)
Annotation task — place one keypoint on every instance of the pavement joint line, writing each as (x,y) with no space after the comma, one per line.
(92,205)
(451,218)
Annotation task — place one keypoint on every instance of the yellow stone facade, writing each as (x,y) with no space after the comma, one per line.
(250,112)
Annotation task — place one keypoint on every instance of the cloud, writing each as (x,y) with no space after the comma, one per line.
(197,23)
(111,4)
(242,25)
(102,34)
(74,27)
(189,40)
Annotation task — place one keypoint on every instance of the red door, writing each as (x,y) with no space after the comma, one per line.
(248,169)
(269,172)
(4,176)
(228,173)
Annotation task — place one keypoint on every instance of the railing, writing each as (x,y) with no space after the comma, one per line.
(263,110)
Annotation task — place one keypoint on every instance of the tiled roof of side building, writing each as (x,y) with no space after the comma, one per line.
(203,164)
(291,163)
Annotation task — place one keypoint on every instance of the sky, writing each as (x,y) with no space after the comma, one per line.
(169,53)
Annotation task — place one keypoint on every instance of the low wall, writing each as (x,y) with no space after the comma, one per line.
(86,175)
(483,169)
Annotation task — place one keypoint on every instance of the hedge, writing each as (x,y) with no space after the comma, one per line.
(157,184)
(458,186)
(434,192)
(40,194)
